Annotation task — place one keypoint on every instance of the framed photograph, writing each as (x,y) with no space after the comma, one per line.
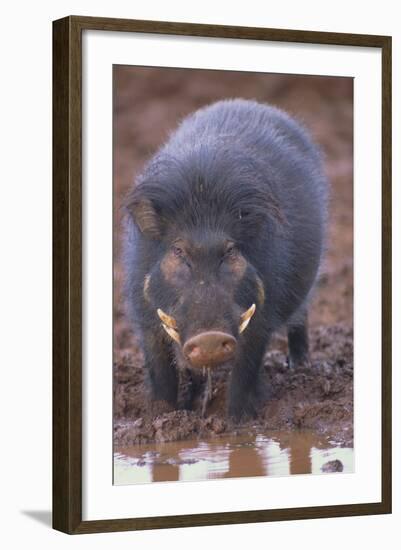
(221,274)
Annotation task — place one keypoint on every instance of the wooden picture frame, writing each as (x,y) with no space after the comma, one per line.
(67,273)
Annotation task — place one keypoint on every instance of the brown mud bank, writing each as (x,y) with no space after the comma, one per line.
(318,398)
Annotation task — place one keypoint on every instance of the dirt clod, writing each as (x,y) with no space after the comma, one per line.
(332,466)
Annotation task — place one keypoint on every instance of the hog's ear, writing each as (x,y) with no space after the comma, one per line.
(145,216)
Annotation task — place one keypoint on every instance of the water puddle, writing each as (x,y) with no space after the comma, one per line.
(275,454)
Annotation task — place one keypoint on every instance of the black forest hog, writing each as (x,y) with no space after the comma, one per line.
(224,237)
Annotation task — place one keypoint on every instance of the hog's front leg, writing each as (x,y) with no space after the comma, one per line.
(162,374)
(244,394)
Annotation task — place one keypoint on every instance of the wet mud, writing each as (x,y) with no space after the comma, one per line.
(319,399)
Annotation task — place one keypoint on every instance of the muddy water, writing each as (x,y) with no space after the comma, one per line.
(275,454)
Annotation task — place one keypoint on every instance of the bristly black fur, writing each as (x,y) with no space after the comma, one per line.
(239,171)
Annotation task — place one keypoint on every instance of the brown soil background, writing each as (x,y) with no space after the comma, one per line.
(148,104)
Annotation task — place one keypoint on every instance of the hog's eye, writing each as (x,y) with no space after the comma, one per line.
(230,252)
(178,251)
(180,254)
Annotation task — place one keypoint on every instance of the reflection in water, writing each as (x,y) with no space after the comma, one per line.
(275,454)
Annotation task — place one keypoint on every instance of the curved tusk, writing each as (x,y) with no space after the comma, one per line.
(166,319)
(246,317)
(173,333)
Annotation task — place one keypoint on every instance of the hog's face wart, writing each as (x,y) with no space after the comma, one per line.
(261,290)
(226,226)
(175,269)
(146,287)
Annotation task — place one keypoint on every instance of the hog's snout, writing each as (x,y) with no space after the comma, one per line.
(210,349)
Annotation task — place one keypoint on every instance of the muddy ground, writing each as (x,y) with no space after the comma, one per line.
(148,103)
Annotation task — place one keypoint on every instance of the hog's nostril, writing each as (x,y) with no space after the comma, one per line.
(194,352)
(227,346)
(210,348)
